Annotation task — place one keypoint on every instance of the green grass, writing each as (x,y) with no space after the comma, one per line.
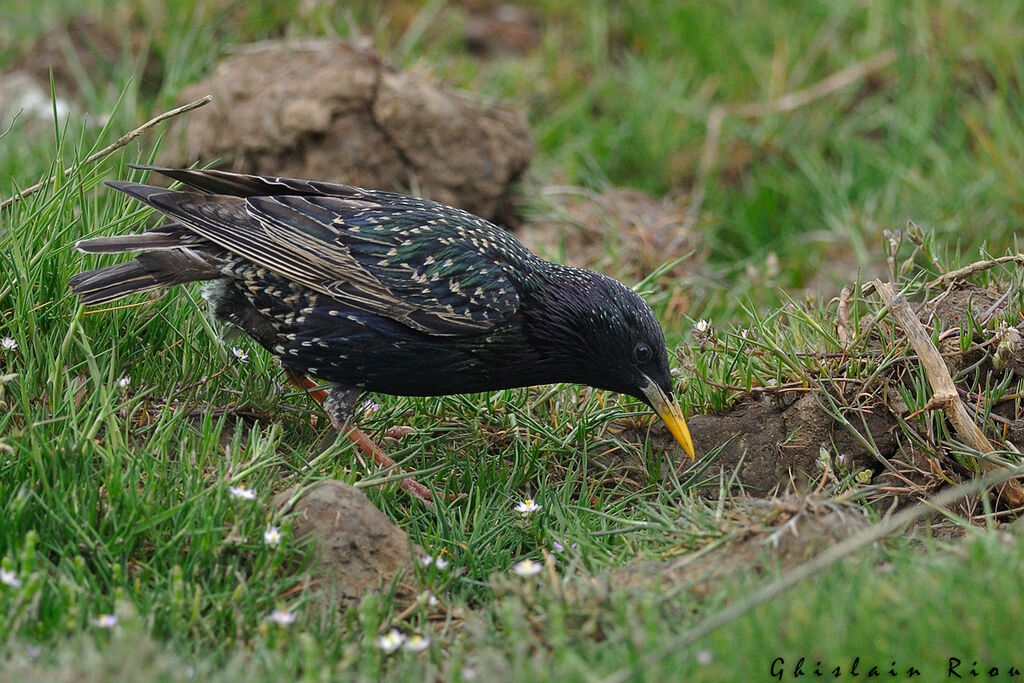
(115,499)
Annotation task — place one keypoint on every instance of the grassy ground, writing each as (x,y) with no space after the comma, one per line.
(115,495)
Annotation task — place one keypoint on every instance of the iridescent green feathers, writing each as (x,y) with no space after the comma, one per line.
(437,269)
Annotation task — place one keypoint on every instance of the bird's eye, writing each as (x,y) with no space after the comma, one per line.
(642,353)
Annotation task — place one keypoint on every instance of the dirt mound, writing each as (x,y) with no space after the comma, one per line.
(617,229)
(758,534)
(358,549)
(329,110)
(835,425)
(83,50)
(774,443)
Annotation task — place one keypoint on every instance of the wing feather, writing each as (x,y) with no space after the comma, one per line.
(431,267)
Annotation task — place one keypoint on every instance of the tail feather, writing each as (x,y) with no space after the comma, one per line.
(148,271)
(237,184)
(213,182)
(169,236)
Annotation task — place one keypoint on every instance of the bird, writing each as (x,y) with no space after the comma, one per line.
(358,290)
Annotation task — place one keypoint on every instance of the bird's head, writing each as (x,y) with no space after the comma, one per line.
(603,334)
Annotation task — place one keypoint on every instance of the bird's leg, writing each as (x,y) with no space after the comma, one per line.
(338,403)
(306,384)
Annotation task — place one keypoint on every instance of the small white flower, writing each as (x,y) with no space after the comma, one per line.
(125,382)
(427,598)
(391,641)
(438,562)
(8,343)
(702,326)
(105,621)
(704,657)
(241,492)
(282,617)
(417,643)
(9,578)
(241,355)
(272,536)
(527,568)
(527,507)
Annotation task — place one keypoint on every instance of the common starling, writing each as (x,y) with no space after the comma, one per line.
(372,291)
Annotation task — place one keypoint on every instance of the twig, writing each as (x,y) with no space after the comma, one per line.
(778,388)
(971,269)
(121,142)
(13,121)
(945,395)
(209,378)
(781,104)
(819,563)
(843,329)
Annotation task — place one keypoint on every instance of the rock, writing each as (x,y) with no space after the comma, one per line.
(358,548)
(328,110)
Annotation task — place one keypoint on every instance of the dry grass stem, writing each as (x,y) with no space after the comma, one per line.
(971,269)
(783,103)
(119,143)
(945,395)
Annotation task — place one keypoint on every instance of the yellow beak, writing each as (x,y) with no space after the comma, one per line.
(668,410)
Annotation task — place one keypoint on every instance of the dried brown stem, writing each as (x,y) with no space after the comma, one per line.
(121,142)
(945,395)
(971,269)
(843,329)
(780,105)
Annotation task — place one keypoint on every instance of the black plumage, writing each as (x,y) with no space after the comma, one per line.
(377,291)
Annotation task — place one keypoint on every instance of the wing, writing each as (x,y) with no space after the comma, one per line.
(434,268)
